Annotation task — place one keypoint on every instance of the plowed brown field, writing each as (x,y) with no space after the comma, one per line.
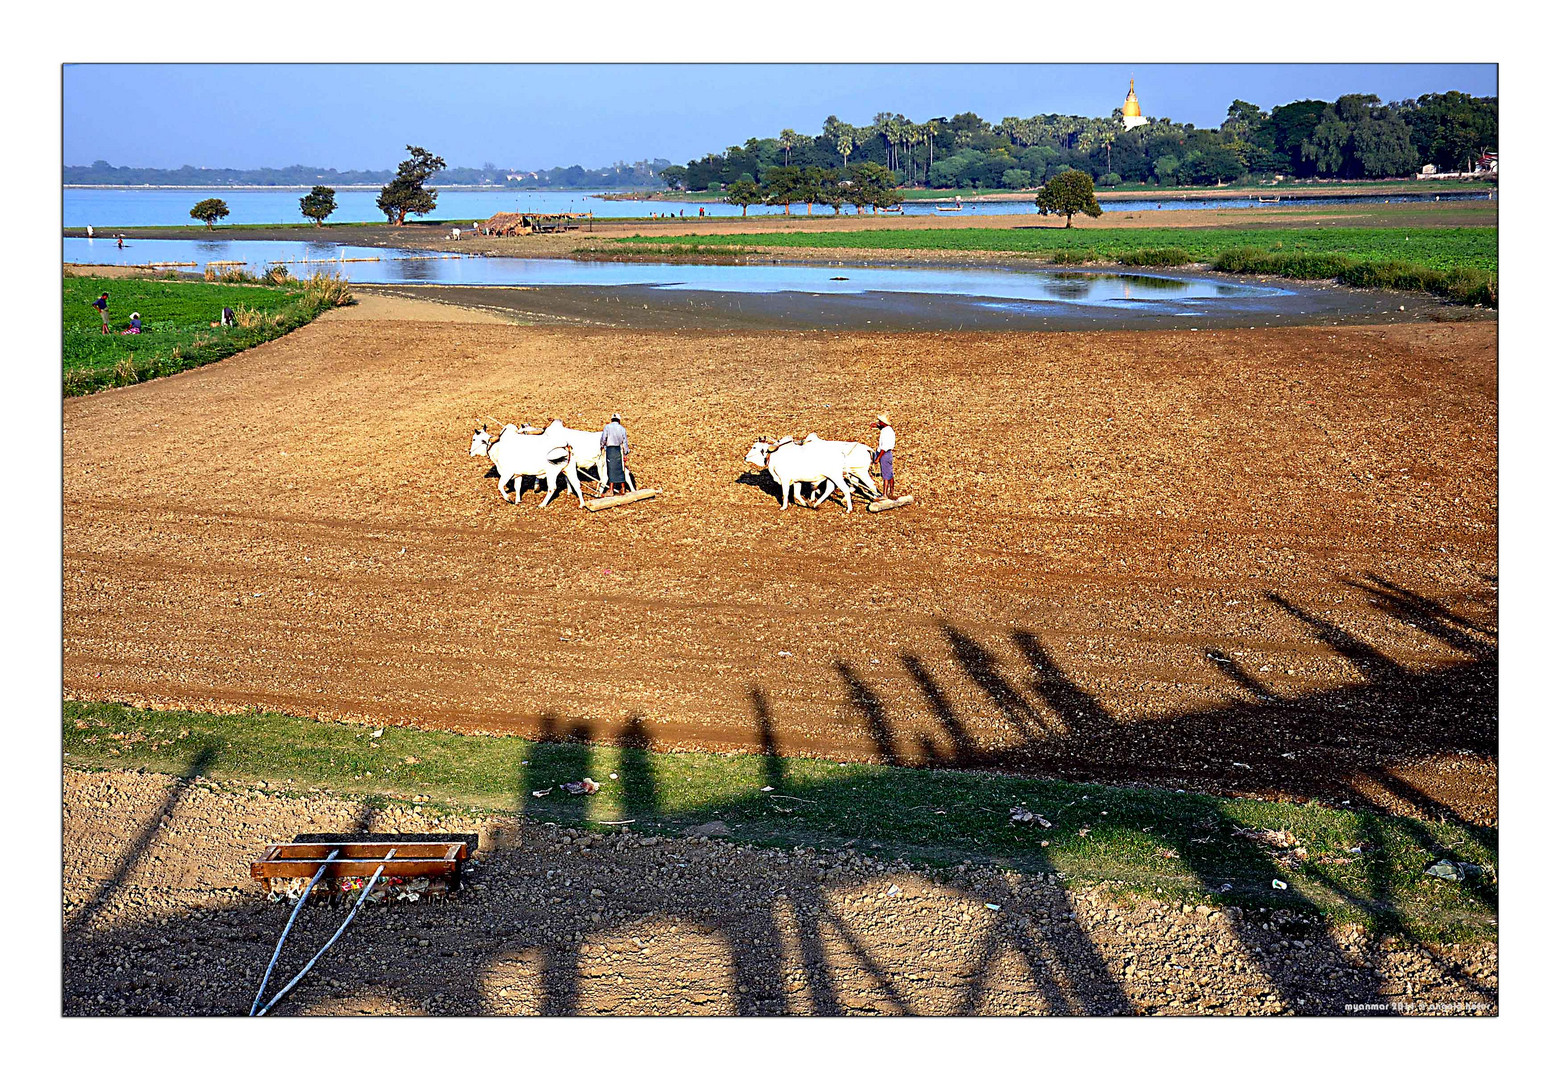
(1250,561)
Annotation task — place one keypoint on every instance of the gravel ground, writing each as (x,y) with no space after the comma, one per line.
(161,918)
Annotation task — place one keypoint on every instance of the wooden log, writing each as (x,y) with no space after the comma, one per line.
(622,500)
(890,504)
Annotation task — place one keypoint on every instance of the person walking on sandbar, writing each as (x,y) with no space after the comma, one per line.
(615,440)
(885,454)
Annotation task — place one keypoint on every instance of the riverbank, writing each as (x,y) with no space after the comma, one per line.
(436,234)
(1456,263)
(1447,249)
(648,308)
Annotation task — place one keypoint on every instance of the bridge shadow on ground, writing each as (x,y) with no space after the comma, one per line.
(778,933)
(1332,744)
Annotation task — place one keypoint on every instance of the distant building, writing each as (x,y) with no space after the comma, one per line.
(1132,118)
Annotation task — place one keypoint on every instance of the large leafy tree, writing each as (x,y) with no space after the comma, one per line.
(1242,118)
(744,193)
(209,211)
(1288,129)
(405,194)
(829,190)
(783,187)
(1451,130)
(319,204)
(1068,193)
(1328,146)
(814,187)
(872,185)
(1384,147)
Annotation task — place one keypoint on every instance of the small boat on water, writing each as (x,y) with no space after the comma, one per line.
(891,210)
(1274,200)
(950,209)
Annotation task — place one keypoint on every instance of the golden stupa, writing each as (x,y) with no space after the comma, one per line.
(1131,115)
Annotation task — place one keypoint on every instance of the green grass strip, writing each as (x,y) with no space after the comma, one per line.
(176,331)
(1459,263)
(1141,840)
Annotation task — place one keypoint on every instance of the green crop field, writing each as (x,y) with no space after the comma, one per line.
(1442,249)
(1460,263)
(1355,867)
(176,331)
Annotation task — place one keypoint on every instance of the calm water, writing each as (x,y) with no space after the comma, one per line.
(105,207)
(408,267)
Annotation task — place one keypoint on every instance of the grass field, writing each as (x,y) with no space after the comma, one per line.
(1353,867)
(176,331)
(1460,263)
(1443,249)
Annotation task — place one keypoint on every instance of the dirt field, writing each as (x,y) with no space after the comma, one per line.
(1254,562)
(161,918)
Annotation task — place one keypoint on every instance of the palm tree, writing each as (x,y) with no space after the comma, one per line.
(933,128)
(843,135)
(789,139)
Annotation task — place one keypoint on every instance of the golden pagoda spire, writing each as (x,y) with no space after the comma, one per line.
(1132,117)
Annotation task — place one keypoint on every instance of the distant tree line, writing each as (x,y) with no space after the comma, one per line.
(1355,137)
(867,184)
(621,175)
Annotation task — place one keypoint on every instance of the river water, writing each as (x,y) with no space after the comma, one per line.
(115,207)
(392,266)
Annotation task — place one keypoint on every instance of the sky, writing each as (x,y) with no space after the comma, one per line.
(536,116)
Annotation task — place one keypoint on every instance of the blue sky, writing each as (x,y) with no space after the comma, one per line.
(540,116)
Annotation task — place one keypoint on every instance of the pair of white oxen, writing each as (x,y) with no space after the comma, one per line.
(835,464)
(544,454)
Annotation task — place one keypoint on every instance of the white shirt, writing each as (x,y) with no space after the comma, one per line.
(886,438)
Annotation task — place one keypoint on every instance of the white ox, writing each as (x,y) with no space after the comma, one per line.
(516,453)
(791,463)
(858,459)
(587,450)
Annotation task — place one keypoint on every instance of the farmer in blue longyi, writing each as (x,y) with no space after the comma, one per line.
(885,454)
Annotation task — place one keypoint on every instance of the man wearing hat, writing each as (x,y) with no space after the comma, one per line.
(615,440)
(885,454)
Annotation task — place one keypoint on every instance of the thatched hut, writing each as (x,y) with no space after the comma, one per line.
(506,224)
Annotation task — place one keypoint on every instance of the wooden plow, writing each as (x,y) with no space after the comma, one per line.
(610,501)
(419,867)
(352,865)
(880,505)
